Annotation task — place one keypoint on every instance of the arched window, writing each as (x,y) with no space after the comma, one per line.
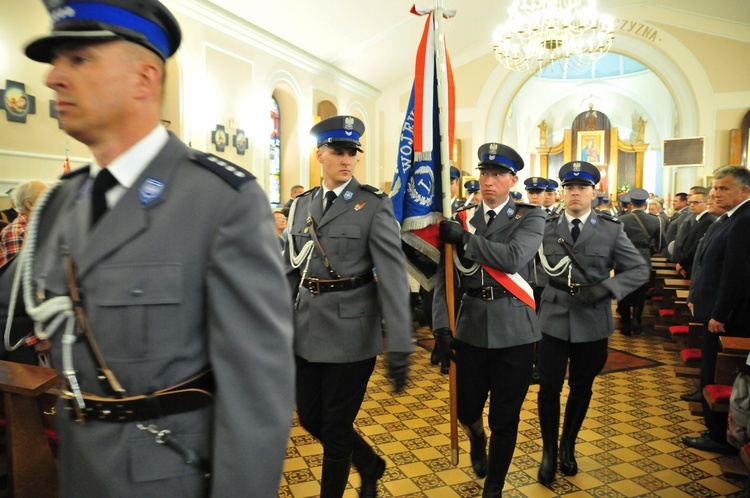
(274,153)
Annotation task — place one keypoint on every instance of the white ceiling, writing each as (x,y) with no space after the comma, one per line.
(375,41)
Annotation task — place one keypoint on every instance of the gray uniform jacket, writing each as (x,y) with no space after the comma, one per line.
(359,233)
(643,240)
(509,244)
(174,283)
(601,246)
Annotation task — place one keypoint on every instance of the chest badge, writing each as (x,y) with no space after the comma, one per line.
(510,212)
(359,206)
(348,195)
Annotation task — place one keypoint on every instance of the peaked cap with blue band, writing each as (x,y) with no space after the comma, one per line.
(535,183)
(498,156)
(144,22)
(579,173)
(339,132)
(472,186)
(551,185)
(638,196)
(455,173)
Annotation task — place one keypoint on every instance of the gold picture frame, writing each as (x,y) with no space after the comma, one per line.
(708,181)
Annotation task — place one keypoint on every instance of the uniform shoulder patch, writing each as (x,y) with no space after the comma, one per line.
(526,205)
(374,190)
(308,192)
(76,172)
(609,217)
(234,175)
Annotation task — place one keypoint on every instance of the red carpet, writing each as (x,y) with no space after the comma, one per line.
(617,361)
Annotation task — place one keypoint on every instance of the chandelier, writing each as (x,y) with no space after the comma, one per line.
(540,32)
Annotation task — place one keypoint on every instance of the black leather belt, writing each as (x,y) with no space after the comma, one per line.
(319,286)
(572,288)
(489,293)
(193,394)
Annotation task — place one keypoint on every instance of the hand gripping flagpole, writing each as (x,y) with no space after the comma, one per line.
(441,68)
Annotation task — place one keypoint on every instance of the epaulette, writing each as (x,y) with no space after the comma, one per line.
(608,217)
(527,205)
(374,190)
(310,191)
(234,175)
(75,172)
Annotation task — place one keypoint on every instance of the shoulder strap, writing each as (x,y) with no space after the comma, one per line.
(326,261)
(575,262)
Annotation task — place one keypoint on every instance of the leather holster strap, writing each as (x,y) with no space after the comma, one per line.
(193,394)
(319,286)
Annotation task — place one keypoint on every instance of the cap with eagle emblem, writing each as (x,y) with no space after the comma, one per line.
(146,22)
(339,132)
(579,173)
(498,156)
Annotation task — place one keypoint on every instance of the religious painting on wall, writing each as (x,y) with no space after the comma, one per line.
(591,149)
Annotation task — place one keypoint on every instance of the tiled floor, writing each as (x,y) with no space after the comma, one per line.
(629,446)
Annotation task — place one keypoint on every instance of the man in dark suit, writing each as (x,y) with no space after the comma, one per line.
(174,290)
(580,250)
(342,236)
(720,290)
(497,326)
(687,222)
(644,231)
(698,203)
(680,214)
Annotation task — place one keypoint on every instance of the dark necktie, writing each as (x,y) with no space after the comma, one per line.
(330,197)
(102,183)
(490,216)
(576,231)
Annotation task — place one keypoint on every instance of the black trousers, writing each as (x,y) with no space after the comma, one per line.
(716,422)
(504,374)
(329,396)
(587,359)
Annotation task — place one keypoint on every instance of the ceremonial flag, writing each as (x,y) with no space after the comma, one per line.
(417,187)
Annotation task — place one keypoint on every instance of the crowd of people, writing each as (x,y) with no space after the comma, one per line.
(177,311)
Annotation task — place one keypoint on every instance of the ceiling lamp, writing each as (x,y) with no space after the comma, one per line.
(540,32)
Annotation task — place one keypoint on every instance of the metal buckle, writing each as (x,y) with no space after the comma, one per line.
(488,294)
(574,289)
(313,285)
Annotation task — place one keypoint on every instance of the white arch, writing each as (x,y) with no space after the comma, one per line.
(502,86)
(285,77)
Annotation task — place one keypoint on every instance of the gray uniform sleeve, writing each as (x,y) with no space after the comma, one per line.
(250,346)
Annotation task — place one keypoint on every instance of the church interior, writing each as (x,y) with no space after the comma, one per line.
(665,107)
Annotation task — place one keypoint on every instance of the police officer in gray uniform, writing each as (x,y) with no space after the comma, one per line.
(644,231)
(580,249)
(347,273)
(166,254)
(496,326)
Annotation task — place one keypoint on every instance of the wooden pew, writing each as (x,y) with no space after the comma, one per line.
(32,471)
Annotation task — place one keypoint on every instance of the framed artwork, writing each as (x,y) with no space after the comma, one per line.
(240,142)
(16,102)
(591,146)
(219,138)
(708,181)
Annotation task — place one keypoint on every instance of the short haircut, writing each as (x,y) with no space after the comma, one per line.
(656,203)
(296,187)
(700,190)
(741,175)
(682,196)
(26,191)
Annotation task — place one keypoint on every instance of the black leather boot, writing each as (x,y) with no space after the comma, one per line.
(335,477)
(575,413)
(369,465)
(499,461)
(624,320)
(549,423)
(637,327)
(478,451)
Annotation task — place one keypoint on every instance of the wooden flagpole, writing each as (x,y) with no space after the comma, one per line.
(441,68)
